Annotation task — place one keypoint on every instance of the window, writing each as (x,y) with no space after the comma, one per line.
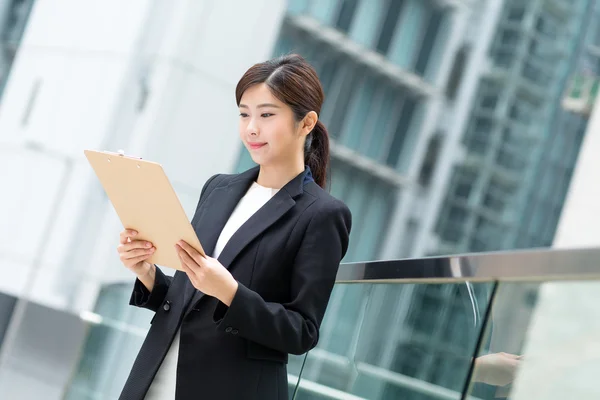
(510,159)
(359,111)
(456,74)
(489,100)
(368,21)
(402,131)
(383,125)
(371,202)
(478,135)
(295,7)
(324,11)
(427,45)
(509,37)
(504,57)
(516,12)
(488,95)
(497,196)
(454,215)
(462,183)
(13,21)
(430,159)
(347,10)
(522,110)
(389,25)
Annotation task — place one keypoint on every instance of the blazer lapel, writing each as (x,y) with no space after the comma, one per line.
(223,204)
(215,212)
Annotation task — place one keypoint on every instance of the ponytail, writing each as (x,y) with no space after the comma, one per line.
(316,154)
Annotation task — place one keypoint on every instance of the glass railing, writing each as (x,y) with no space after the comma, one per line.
(518,325)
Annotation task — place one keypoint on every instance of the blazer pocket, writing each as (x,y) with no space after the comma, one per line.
(260,352)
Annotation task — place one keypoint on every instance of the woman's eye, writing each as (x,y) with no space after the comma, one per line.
(266,115)
(243,115)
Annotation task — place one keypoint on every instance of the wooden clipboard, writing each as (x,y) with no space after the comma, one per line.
(145,201)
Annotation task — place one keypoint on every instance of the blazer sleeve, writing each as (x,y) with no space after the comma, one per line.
(141,296)
(293,327)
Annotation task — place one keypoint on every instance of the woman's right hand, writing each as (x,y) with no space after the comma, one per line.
(134,253)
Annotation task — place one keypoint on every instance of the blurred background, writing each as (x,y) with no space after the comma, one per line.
(457,127)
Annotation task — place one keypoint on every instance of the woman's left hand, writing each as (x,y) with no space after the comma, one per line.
(207,274)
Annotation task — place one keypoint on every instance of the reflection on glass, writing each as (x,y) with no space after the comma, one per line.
(114,338)
(397,341)
(542,343)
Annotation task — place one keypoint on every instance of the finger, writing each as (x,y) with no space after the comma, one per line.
(187,270)
(191,274)
(135,260)
(191,251)
(128,247)
(136,244)
(128,255)
(187,258)
(126,234)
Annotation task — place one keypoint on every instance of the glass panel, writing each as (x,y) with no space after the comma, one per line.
(298,6)
(358,113)
(367,23)
(14,15)
(434,25)
(346,14)
(325,10)
(408,35)
(402,132)
(386,34)
(397,341)
(541,343)
(115,334)
(358,193)
(330,365)
(381,125)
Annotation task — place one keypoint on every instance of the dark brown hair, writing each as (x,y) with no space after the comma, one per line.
(295,82)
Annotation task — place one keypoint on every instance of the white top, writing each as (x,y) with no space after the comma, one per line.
(163,385)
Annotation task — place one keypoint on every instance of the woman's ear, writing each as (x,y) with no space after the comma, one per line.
(309,122)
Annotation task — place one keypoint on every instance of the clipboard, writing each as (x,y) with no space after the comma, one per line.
(145,201)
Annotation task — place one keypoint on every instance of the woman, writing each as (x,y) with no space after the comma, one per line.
(223,329)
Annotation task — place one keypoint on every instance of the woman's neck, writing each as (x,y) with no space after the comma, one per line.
(276,177)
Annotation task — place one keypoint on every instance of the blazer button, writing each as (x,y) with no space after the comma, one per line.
(228,329)
(234,332)
(167,305)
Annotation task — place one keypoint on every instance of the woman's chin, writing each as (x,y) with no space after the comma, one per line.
(257,159)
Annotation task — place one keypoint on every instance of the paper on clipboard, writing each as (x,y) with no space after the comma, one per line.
(145,201)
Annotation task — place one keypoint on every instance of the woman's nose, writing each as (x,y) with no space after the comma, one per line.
(252,128)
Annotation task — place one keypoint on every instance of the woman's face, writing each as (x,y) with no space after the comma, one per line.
(268,128)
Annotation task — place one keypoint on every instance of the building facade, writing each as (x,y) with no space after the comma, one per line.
(451,132)
(507,189)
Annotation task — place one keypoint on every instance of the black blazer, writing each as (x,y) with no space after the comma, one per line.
(285,258)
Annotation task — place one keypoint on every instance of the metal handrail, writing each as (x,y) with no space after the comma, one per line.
(503,266)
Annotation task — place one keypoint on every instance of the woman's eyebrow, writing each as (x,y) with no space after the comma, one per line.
(261,105)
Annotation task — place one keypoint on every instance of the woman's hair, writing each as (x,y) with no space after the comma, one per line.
(295,82)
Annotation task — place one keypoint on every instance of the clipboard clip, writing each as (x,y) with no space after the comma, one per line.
(121,153)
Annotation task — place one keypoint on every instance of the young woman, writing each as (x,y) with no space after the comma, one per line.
(223,329)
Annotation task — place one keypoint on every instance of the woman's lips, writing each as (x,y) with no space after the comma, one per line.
(255,146)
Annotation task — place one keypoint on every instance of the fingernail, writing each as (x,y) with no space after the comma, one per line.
(133,233)
(148,244)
